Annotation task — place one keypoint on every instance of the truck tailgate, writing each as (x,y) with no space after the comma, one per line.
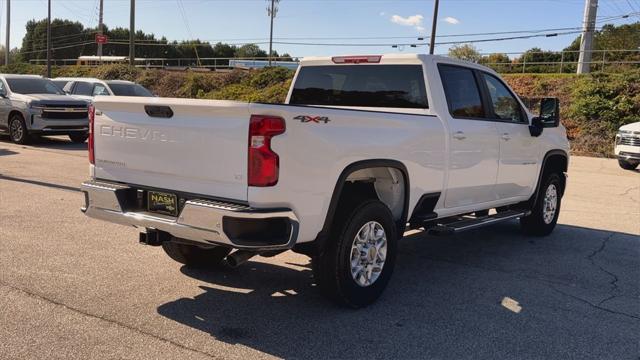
(201,148)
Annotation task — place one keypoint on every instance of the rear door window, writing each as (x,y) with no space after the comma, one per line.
(100,89)
(83,88)
(462,92)
(390,86)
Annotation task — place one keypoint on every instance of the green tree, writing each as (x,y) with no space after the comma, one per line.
(66,37)
(466,52)
(224,50)
(499,62)
(541,61)
(250,51)
(610,37)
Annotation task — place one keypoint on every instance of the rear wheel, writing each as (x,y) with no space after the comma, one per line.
(358,261)
(18,130)
(78,138)
(194,256)
(544,216)
(628,164)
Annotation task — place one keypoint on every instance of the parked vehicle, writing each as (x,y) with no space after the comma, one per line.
(31,105)
(88,88)
(627,147)
(364,147)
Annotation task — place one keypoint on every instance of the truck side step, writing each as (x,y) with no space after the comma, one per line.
(465,223)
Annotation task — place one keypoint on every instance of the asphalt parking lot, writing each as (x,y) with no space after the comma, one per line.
(76,288)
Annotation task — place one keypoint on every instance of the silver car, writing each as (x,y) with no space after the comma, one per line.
(31,105)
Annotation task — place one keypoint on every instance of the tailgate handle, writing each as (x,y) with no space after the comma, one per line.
(158,111)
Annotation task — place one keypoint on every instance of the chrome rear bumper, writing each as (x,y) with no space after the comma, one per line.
(200,220)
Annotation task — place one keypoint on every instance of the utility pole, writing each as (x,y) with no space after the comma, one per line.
(272,11)
(7,49)
(586,41)
(432,43)
(49,38)
(100,30)
(132,31)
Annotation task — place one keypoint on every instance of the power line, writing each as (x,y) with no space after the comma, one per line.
(121,41)
(186,23)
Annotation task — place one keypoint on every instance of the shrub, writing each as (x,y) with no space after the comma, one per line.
(269,76)
(169,84)
(116,72)
(23,68)
(71,71)
(601,104)
(194,83)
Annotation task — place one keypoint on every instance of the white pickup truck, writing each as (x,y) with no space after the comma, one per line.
(364,148)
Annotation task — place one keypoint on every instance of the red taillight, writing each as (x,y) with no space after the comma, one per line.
(370,59)
(92,116)
(263,162)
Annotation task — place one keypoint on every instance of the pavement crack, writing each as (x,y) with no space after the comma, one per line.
(597,306)
(628,191)
(591,258)
(111,321)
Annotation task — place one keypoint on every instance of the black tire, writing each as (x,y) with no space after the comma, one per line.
(78,138)
(194,256)
(628,165)
(332,269)
(18,130)
(535,223)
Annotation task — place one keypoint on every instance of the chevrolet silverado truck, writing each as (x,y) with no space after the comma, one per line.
(31,105)
(364,148)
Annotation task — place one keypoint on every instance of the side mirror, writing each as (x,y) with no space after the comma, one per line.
(550,112)
(536,127)
(549,116)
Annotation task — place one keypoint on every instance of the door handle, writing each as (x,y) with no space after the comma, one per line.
(459,135)
(506,137)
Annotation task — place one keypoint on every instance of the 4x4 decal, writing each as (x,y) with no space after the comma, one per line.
(315,119)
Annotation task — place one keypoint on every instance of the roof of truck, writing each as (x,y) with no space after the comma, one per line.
(390,59)
(76,79)
(119,82)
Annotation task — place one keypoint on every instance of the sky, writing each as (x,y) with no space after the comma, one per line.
(325,23)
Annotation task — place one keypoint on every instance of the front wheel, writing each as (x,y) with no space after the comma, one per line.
(628,165)
(358,261)
(78,138)
(194,256)
(544,216)
(18,130)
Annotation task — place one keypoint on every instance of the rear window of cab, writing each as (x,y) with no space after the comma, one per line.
(384,86)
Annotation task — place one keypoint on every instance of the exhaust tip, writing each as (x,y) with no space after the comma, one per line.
(240,257)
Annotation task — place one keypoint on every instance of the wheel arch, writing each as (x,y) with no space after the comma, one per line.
(317,245)
(557,160)
(14,112)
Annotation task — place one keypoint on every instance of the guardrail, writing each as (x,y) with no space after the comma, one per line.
(566,61)
(217,63)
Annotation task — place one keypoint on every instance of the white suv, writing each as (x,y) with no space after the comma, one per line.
(627,148)
(87,88)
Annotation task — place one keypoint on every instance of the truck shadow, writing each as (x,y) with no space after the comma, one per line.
(445,300)
(47,142)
